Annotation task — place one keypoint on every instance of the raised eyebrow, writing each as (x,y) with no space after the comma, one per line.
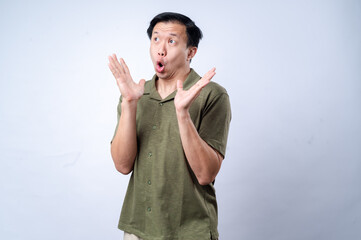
(172,34)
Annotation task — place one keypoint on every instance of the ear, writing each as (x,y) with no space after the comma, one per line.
(191,52)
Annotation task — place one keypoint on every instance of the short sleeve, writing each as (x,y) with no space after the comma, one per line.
(119,110)
(215,122)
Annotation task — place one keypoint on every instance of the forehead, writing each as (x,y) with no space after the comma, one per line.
(170,28)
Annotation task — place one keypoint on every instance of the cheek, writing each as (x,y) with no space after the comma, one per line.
(151,52)
(180,55)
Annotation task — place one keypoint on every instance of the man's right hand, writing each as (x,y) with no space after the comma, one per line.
(129,90)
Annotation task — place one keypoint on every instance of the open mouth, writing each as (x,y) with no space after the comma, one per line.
(159,67)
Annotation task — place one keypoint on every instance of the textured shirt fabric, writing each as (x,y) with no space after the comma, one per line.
(164,200)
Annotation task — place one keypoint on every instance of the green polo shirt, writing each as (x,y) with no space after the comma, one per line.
(164,200)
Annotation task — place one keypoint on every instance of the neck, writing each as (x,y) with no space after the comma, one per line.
(166,86)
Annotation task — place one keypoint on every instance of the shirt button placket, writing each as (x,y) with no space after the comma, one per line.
(148,182)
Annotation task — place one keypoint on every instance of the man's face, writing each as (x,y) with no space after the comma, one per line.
(168,49)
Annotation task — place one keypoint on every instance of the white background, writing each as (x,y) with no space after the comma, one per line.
(293,72)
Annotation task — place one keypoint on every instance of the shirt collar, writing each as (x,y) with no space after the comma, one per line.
(151,90)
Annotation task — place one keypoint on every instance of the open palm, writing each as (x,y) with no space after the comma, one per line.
(184,98)
(128,88)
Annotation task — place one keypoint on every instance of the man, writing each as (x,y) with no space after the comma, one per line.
(171,134)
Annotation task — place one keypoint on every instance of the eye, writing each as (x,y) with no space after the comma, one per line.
(171,41)
(156,39)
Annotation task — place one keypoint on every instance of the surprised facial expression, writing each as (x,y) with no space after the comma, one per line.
(168,49)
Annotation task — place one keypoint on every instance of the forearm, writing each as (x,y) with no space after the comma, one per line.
(124,144)
(203,159)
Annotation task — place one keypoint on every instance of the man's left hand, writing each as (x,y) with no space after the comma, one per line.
(184,98)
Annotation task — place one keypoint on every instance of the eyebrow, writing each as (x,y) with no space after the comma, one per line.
(172,34)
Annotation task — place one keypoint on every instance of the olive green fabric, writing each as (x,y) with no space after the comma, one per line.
(164,200)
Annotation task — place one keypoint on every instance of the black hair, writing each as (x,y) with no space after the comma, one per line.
(194,34)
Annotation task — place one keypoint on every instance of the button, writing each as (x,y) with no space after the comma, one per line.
(149,154)
(149,209)
(154,127)
(160,104)
(149,182)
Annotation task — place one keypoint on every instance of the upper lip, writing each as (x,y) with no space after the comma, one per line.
(161,61)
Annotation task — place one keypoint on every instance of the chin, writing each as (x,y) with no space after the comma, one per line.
(160,75)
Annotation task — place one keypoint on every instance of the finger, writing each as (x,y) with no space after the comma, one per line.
(126,69)
(206,78)
(209,75)
(213,69)
(196,88)
(117,65)
(111,61)
(112,64)
(142,82)
(202,82)
(179,85)
(113,69)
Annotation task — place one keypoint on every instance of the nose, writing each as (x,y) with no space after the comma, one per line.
(162,51)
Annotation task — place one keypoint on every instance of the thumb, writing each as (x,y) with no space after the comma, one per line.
(179,85)
(141,82)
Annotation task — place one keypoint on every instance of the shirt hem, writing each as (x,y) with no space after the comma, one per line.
(132,230)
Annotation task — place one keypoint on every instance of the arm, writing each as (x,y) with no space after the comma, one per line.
(124,144)
(203,159)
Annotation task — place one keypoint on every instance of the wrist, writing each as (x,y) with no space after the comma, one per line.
(182,114)
(129,103)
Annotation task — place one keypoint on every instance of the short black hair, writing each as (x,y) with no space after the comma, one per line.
(194,34)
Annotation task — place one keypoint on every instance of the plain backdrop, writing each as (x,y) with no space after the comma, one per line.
(293,72)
